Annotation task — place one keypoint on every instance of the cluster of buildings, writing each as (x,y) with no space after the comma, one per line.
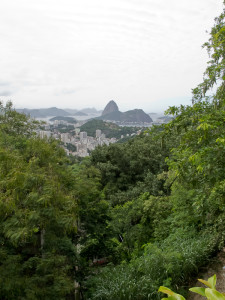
(85,144)
(75,142)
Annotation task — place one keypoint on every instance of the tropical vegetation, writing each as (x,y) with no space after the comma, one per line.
(134,216)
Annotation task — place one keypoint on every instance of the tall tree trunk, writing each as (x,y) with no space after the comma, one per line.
(42,242)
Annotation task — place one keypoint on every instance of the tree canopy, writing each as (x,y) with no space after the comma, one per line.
(37,213)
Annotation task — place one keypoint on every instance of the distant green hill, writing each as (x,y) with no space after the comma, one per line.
(109,129)
(136,115)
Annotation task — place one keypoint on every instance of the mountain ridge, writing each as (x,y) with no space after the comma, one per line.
(111,113)
(44,112)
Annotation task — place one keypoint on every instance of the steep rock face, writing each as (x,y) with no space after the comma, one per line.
(113,116)
(111,107)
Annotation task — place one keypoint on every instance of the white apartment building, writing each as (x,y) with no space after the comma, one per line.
(98,133)
(65,137)
(45,134)
(83,135)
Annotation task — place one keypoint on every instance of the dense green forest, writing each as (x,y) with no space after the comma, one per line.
(127,219)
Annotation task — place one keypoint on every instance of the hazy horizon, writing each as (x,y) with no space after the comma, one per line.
(83,108)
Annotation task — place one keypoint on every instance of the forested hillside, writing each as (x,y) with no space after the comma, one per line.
(111,130)
(130,218)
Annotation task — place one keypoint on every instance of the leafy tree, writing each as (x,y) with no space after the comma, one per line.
(92,211)
(122,166)
(37,214)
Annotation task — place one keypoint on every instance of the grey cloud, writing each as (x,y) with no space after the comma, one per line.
(6,93)
(4,83)
(122,20)
(108,44)
(65,91)
(6,89)
(68,91)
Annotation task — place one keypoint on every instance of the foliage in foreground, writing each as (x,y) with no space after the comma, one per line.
(162,264)
(210,292)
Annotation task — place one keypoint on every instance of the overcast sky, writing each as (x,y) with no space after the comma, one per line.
(82,53)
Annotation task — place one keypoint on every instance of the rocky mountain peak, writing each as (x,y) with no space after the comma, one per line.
(110,108)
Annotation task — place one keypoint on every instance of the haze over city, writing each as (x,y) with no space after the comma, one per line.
(141,53)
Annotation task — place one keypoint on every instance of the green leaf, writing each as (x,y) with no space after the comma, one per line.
(212,281)
(165,290)
(205,282)
(36,229)
(198,290)
(175,297)
(179,297)
(214,294)
(172,295)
